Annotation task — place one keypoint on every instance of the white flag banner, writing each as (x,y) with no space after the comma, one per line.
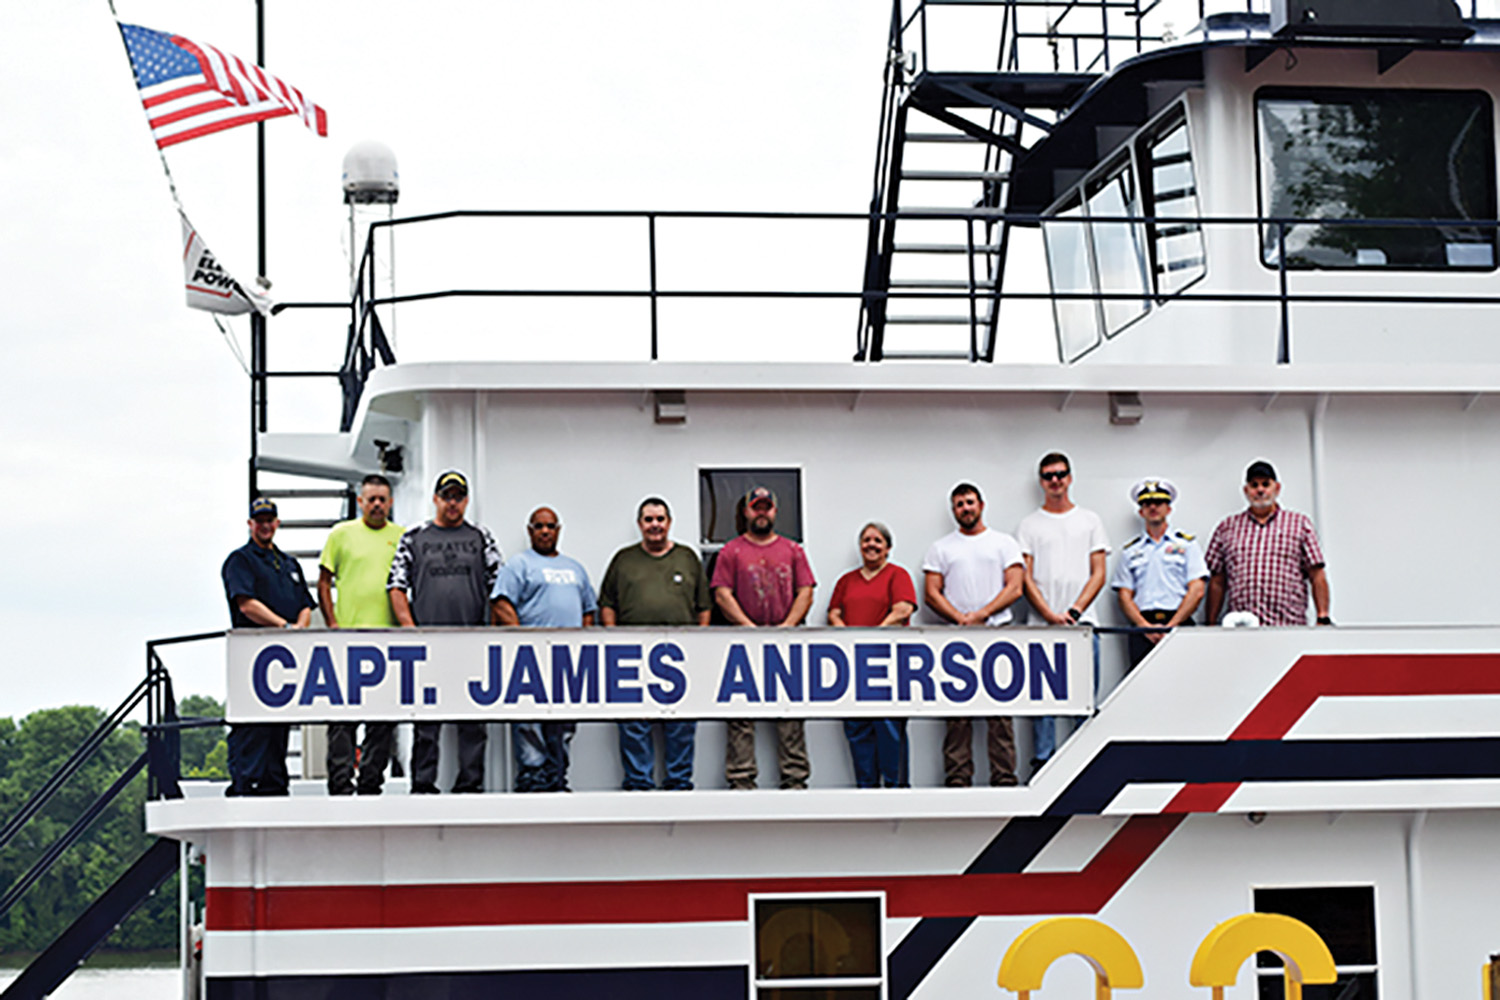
(209,286)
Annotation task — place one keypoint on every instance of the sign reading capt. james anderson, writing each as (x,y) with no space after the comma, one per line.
(303,675)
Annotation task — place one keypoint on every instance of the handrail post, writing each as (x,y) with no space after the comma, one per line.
(922,6)
(973,306)
(1284,345)
(651,239)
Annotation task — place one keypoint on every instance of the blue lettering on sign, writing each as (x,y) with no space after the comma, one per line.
(783,674)
(817,652)
(737,678)
(914,663)
(322,681)
(360,679)
(869,667)
(526,678)
(1054,673)
(964,684)
(622,667)
(260,676)
(408,657)
(992,655)
(488,692)
(665,665)
(575,684)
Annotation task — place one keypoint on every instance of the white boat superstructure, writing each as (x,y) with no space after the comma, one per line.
(1271,236)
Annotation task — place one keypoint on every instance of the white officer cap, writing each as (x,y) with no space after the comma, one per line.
(1153,489)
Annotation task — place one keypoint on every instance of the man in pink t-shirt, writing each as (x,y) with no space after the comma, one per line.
(763,580)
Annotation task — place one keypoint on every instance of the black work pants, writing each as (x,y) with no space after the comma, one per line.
(1139,644)
(374,755)
(472,739)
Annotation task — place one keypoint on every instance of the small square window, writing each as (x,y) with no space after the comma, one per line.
(816,938)
(818,949)
(1344,917)
(721,490)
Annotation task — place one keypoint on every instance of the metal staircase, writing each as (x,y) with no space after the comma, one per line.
(145,875)
(48,970)
(939,235)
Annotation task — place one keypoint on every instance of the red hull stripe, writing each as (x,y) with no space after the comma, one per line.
(303,908)
(1366,674)
(1205,798)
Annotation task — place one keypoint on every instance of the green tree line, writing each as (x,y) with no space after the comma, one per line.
(31,751)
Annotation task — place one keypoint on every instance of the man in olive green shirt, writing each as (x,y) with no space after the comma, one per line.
(356,560)
(656,582)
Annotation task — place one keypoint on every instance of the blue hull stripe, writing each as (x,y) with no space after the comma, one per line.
(710,983)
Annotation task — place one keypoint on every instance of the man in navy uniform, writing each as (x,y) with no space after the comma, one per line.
(1160,578)
(265,589)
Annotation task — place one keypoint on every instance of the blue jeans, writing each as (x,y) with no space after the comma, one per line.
(1044,736)
(878,749)
(542,755)
(638,756)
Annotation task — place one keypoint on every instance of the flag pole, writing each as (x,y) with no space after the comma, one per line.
(258,365)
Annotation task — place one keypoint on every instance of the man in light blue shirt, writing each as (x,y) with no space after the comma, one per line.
(542,588)
(1160,576)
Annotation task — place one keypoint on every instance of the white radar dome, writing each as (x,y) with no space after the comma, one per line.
(370,175)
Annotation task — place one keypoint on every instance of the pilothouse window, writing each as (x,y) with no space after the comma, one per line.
(1391,154)
(1118,250)
(1171,193)
(1068,262)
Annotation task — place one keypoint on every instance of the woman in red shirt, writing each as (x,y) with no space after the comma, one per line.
(878,593)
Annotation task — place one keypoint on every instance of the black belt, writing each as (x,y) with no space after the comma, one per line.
(1160,617)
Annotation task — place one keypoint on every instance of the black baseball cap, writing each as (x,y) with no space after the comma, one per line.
(262,507)
(1260,469)
(449,478)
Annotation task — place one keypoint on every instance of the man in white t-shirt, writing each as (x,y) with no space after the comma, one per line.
(973,576)
(1066,551)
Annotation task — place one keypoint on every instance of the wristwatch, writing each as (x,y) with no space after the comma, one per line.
(1074,614)
(1325,620)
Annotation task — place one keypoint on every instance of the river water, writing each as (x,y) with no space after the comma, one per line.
(114,984)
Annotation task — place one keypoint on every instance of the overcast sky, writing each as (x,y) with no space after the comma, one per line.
(126,413)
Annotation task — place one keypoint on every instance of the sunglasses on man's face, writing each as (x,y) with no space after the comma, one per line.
(1054,476)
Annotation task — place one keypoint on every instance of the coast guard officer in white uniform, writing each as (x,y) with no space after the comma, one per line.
(1161,575)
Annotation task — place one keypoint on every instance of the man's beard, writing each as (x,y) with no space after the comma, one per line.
(761,527)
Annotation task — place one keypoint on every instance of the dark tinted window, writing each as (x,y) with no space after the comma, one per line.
(1344,917)
(720,491)
(1390,154)
(817,938)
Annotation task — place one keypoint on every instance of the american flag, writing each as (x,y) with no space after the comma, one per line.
(191,89)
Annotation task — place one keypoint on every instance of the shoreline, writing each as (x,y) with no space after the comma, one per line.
(11,963)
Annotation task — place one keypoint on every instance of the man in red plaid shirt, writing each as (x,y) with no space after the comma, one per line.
(1265,559)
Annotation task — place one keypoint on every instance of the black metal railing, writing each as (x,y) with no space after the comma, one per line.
(160,760)
(368,347)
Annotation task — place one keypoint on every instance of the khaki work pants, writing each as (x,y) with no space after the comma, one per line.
(791,753)
(958,752)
